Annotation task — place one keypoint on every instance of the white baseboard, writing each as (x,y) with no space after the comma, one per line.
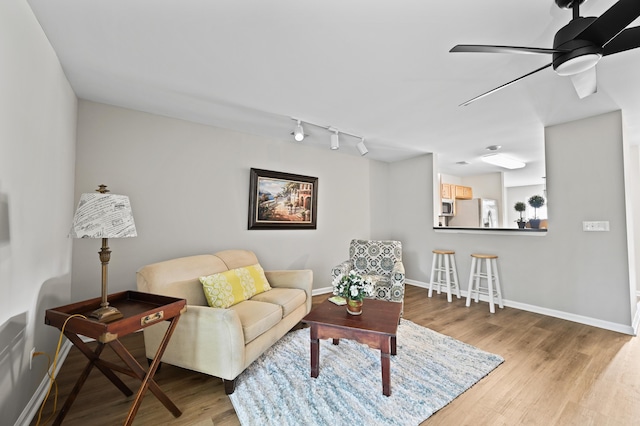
(607,325)
(31,410)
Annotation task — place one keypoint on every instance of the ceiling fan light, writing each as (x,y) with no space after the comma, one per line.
(501,160)
(578,64)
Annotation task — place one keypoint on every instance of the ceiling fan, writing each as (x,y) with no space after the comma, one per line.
(577,46)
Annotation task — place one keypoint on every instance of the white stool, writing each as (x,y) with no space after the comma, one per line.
(490,275)
(450,278)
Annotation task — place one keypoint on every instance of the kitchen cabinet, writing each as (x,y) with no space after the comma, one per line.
(463,192)
(446,191)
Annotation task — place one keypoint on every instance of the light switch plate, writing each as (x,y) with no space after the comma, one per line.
(596,226)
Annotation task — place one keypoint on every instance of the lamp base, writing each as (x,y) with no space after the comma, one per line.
(106,314)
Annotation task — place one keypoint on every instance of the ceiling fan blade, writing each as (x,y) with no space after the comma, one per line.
(585,82)
(611,22)
(503,86)
(626,40)
(502,49)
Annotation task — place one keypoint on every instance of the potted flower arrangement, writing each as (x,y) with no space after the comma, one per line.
(520,207)
(536,201)
(354,288)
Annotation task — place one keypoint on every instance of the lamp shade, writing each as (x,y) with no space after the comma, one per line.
(103,215)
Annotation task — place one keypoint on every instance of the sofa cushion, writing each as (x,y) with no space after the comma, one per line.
(287,298)
(257,317)
(227,288)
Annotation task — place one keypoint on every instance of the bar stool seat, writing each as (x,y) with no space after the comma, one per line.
(444,275)
(485,282)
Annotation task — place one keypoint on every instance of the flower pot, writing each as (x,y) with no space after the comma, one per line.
(535,223)
(354,307)
(522,224)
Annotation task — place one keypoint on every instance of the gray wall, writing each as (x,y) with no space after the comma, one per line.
(189,185)
(584,275)
(37,155)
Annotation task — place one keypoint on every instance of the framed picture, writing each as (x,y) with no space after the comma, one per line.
(282,200)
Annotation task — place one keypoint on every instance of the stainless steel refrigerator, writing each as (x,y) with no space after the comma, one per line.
(476,213)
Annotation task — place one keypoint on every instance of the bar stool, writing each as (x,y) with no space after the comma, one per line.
(490,276)
(447,274)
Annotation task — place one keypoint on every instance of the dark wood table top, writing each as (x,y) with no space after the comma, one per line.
(378,316)
(140,310)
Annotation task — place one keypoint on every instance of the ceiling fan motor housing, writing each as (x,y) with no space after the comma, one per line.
(568,4)
(580,54)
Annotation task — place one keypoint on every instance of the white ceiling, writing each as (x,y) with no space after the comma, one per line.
(380,69)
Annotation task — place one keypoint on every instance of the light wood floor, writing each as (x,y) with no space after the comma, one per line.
(555,373)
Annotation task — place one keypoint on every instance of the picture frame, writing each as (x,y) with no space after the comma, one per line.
(280,200)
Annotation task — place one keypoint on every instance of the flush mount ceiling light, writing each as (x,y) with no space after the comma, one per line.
(463,163)
(362,148)
(298,132)
(502,161)
(494,147)
(335,140)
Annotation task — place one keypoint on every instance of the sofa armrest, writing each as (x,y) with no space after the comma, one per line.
(302,279)
(220,349)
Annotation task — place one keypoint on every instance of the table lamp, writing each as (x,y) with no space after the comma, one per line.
(103,215)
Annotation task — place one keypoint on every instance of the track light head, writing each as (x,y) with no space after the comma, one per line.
(335,140)
(298,132)
(362,148)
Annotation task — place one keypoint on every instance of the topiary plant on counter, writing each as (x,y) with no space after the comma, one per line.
(535,201)
(520,207)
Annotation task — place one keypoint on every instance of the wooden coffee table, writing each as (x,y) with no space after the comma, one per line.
(376,327)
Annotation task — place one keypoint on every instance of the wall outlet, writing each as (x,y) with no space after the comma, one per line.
(596,226)
(33,351)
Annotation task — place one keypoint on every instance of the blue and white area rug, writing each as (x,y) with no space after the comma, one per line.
(429,371)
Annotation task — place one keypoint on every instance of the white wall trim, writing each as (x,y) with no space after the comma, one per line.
(31,409)
(636,320)
(607,325)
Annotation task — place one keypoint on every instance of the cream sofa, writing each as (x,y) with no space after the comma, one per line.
(223,342)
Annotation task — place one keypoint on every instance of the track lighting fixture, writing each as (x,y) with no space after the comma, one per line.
(362,148)
(335,141)
(298,133)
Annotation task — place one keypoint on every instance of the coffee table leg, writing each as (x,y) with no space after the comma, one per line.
(393,345)
(385,361)
(315,351)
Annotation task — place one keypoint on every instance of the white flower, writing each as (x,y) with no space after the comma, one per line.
(352,286)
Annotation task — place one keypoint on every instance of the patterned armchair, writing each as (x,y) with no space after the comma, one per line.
(380,261)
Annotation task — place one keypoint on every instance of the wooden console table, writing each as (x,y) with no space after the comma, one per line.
(140,310)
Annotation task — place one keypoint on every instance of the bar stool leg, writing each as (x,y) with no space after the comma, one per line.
(478,279)
(433,270)
(455,275)
(440,272)
(498,285)
(492,307)
(447,276)
(471,281)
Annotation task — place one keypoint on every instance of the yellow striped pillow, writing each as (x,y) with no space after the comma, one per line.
(233,286)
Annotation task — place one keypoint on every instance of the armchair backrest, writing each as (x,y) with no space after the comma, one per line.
(374,257)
